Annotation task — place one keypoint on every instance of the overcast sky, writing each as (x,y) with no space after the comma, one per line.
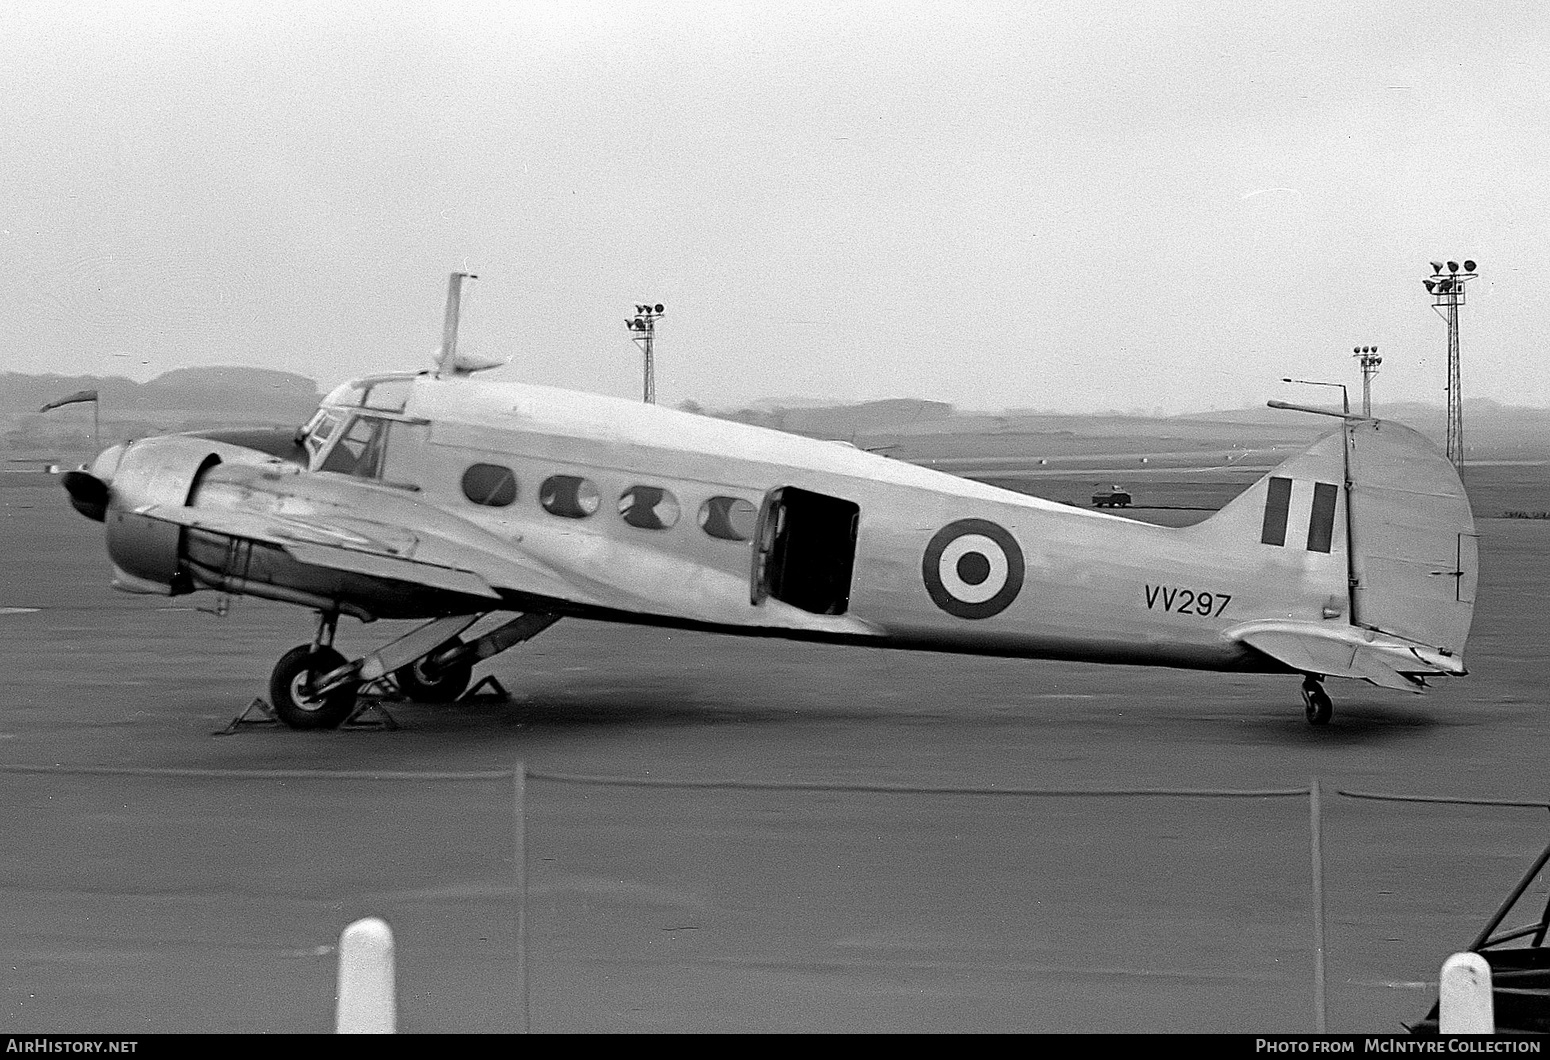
(1078,205)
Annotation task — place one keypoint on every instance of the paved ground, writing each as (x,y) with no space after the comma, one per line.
(142,901)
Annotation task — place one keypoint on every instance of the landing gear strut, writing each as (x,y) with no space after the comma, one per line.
(425,683)
(292,684)
(315,687)
(1316,702)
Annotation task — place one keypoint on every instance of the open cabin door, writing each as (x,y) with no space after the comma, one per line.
(805,550)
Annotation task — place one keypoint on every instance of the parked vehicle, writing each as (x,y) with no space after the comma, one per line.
(1113,497)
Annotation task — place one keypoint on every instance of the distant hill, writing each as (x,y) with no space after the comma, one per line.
(845,421)
(246,393)
(1491,429)
(184,399)
(912,429)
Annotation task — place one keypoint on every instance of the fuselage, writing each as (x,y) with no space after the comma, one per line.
(623,510)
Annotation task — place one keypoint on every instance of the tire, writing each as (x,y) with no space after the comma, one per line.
(448,683)
(293,706)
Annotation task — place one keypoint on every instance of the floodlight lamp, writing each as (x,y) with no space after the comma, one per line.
(1428,284)
(1436,267)
(1444,286)
(1469,266)
(659,307)
(1453,266)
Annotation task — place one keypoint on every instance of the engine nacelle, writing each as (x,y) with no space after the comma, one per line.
(146,552)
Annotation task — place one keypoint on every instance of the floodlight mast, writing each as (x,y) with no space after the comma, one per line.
(1367,357)
(1447,291)
(644,323)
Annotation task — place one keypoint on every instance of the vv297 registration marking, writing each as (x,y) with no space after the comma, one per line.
(1185,601)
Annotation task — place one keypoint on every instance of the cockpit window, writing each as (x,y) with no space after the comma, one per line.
(359,451)
(348,396)
(320,429)
(388,395)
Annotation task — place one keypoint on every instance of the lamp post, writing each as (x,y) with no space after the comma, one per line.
(645,323)
(1367,357)
(1447,291)
(1345,398)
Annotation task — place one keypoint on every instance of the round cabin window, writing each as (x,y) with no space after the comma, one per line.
(490,484)
(648,507)
(569,496)
(729,518)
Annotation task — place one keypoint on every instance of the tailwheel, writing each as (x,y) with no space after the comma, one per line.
(427,684)
(1316,702)
(289,689)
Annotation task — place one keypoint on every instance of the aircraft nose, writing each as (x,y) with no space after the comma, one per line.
(106,463)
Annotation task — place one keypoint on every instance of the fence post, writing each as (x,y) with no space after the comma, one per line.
(366,990)
(1464,1004)
(519,784)
(1316,834)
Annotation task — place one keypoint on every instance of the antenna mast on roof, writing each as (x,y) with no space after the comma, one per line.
(447,361)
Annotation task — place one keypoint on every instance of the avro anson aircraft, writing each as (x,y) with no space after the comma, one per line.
(442,497)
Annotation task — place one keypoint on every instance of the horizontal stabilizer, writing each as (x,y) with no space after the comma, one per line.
(1347,651)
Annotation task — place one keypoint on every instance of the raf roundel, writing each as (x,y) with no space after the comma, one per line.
(972,568)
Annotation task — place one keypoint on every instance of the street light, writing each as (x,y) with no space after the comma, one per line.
(1367,357)
(1447,291)
(1344,397)
(644,323)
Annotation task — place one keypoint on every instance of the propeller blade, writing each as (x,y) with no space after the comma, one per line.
(88,494)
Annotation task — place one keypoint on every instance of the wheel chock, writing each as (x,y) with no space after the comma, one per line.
(497,690)
(266,716)
(369,713)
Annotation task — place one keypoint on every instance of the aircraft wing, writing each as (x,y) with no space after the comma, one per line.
(556,565)
(365,547)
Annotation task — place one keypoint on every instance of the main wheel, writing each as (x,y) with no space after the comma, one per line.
(447,683)
(288,689)
(1316,704)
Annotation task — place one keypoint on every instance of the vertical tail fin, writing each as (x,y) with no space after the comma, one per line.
(1368,540)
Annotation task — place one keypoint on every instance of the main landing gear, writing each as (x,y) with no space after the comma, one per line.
(313,686)
(1316,702)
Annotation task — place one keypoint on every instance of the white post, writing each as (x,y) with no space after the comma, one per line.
(1315,832)
(366,992)
(519,835)
(1464,1000)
